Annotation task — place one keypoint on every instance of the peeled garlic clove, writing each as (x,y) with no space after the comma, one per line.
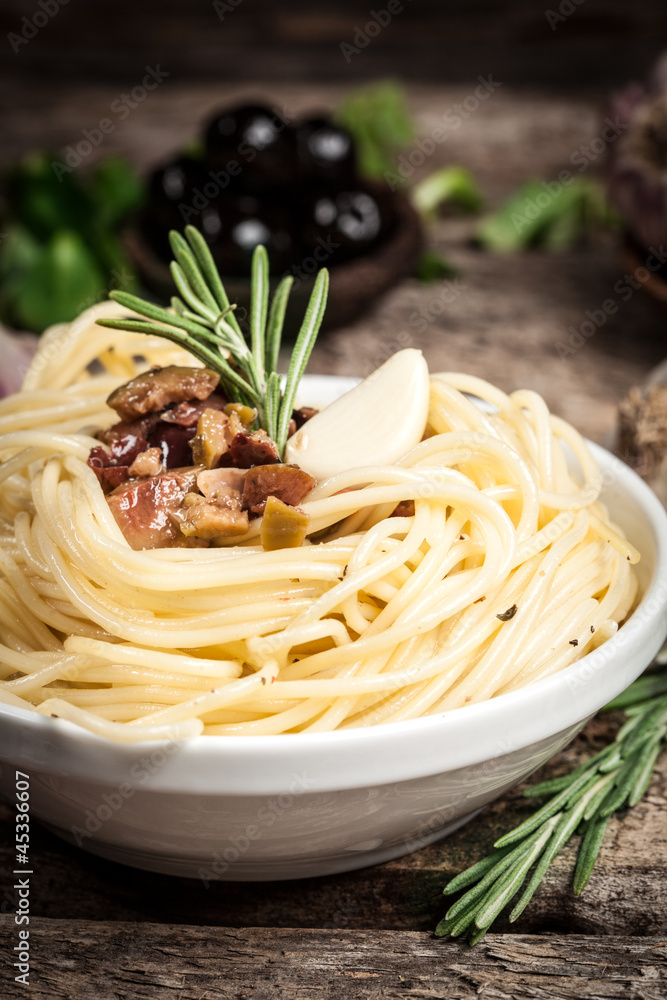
(375,423)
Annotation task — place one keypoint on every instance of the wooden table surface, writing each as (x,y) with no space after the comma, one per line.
(102,931)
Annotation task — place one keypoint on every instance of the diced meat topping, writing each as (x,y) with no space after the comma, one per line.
(109,476)
(147,463)
(299,418)
(173,440)
(170,418)
(211,520)
(256,448)
(112,467)
(287,483)
(156,389)
(144,510)
(137,428)
(217,482)
(211,441)
(406,508)
(187,414)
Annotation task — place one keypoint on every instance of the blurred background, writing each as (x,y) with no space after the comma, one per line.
(503,210)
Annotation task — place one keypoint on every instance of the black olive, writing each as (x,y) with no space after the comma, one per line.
(172,190)
(234,225)
(325,151)
(254,143)
(346,222)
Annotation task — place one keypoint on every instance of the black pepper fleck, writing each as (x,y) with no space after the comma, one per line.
(506,615)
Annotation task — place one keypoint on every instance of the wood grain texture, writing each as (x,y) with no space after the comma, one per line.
(121,961)
(626,894)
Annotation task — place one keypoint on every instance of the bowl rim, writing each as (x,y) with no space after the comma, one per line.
(385,753)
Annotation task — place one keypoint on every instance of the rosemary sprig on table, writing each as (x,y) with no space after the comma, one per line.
(203,322)
(582,801)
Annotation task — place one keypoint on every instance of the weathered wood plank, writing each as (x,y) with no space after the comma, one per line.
(504,315)
(115,961)
(625,896)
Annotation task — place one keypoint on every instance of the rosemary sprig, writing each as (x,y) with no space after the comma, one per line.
(581,802)
(204,323)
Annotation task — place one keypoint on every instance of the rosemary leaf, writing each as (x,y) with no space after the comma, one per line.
(478,870)
(203,322)
(546,811)
(302,351)
(152,311)
(615,777)
(562,832)
(276,323)
(494,902)
(210,272)
(259,305)
(200,352)
(190,269)
(187,293)
(644,773)
(588,853)
(642,690)
(272,404)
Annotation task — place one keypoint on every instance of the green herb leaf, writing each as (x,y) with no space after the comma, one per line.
(545,213)
(449,184)
(64,280)
(203,321)
(432,266)
(612,779)
(116,190)
(378,118)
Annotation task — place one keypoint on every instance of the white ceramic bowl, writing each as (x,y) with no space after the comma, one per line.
(278,807)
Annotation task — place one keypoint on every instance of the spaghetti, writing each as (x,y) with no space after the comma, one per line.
(507,571)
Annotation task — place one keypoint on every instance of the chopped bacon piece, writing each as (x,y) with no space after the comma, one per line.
(156,389)
(257,448)
(187,414)
(125,448)
(174,442)
(144,509)
(147,463)
(299,418)
(109,476)
(112,468)
(211,520)
(124,429)
(285,482)
(217,482)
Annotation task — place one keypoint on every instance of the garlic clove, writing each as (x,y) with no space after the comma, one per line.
(375,423)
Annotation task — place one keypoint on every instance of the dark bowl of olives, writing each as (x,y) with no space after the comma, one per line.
(295,189)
